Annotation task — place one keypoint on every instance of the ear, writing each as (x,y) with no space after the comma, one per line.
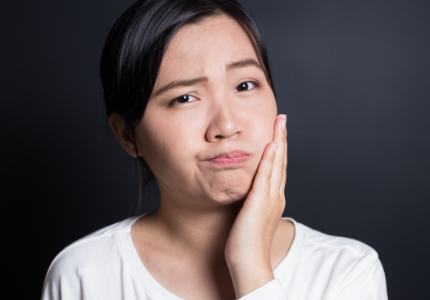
(118,127)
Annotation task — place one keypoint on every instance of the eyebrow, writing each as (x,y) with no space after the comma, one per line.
(190,82)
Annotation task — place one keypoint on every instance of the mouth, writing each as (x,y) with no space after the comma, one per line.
(232,158)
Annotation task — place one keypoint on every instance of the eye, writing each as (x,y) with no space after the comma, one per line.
(184,99)
(245,86)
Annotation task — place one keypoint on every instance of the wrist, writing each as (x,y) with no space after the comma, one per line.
(249,276)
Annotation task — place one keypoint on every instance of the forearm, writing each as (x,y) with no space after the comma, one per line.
(250,276)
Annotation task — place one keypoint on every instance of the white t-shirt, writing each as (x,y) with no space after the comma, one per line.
(105,265)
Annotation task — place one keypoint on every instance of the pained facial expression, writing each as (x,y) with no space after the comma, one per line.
(234,108)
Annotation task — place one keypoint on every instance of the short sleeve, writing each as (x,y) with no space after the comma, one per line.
(61,282)
(369,284)
(271,290)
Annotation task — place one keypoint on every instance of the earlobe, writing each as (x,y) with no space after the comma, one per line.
(117,125)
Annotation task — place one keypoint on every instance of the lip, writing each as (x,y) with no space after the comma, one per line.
(231,158)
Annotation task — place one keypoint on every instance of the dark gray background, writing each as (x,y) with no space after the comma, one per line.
(351,75)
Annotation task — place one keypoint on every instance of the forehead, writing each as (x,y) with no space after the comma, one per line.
(210,44)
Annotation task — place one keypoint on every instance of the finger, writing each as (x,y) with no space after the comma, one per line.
(277,169)
(285,163)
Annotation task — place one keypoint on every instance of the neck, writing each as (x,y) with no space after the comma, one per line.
(200,233)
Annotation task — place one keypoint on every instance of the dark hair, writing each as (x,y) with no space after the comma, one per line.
(136,44)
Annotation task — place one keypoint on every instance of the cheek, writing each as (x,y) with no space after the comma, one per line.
(263,123)
(262,134)
(167,148)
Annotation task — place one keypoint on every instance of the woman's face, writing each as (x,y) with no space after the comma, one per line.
(230,108)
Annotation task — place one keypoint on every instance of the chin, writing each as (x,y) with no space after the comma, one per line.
(229,195)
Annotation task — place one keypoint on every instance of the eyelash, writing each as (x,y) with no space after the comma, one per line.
(255,83)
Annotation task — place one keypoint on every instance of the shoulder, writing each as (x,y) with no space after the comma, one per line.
(345,263)
(338,249)
(315,239)
(91,253)
(89,249)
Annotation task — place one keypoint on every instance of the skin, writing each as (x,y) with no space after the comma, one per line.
(217,223)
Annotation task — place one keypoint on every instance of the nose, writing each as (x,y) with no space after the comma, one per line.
(223,125)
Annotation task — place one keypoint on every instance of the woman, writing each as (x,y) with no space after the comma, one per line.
(188,92)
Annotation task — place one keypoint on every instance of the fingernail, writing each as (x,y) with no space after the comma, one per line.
(275,147)
(284,120)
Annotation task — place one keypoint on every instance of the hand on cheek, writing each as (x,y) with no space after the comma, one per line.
(249,244)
